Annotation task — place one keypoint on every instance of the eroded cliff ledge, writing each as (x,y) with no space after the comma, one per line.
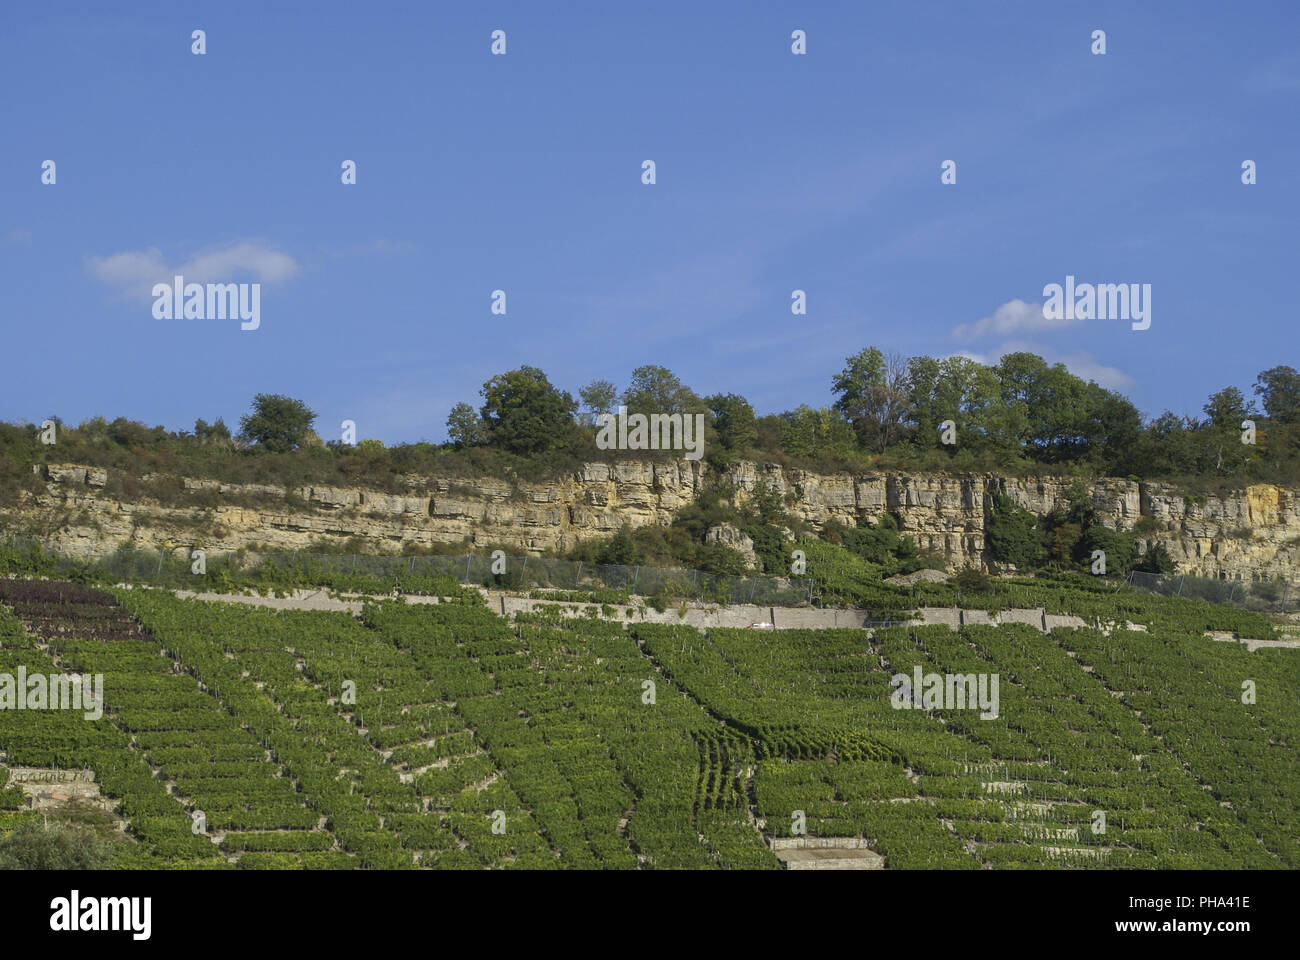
(1251,533)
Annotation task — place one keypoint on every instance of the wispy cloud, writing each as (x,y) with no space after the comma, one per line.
(1085,365)
(134,272)
(1012,317)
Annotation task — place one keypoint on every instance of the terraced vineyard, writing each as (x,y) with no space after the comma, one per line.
(444,736)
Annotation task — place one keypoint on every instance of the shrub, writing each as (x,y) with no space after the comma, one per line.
(37,846)
(1011,534)
(972,580)
(1117,546)
(1156,560)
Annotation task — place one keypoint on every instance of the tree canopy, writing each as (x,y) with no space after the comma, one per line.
(524,413)
(278,423)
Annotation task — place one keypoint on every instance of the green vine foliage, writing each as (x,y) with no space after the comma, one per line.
(443,736)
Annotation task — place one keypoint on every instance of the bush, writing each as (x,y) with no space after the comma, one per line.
(620,550)
(1117,546)
(971,580)
(1156,560)
(1012,535)
(769,546)
(37,846)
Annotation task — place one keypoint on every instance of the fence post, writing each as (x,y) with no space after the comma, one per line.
(753,585)
(1180,584)
(636,575)
(467,556)
(1286,588)
(161,553)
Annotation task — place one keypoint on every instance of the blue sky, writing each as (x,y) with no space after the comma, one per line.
(522,172)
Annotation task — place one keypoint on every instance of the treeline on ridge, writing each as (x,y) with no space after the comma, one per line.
(1021,416)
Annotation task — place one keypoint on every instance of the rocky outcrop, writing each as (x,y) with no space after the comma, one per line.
(729,535)
(1251,533)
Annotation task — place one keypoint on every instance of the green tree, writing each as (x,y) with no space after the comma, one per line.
(880,542)
(1065,541)
(1079,506)
(1113,430)
(769,547)
(1279,390)
(769,504)
(524,414)
(620,550)
(1116,545)
(872,394)
(1011,534)
(278,423)
(734,421)
(1221,431)
(1167,447)
(968,393)
(1156,560)
(465,427)
(215,432)
(656,389)
(810,433)
(1226,409)
(1054,402)
(597,397)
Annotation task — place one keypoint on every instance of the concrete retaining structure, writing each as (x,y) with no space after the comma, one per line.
(706,616)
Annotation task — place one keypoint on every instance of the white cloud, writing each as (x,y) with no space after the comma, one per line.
(134,272)
(131,270)
(1086,366)
(1014,316)
(252,257)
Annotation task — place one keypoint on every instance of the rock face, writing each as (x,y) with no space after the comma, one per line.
(1251,533)
(731,536)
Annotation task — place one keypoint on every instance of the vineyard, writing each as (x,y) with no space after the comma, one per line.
(444,736)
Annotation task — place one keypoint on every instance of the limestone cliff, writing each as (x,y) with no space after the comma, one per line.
(1252,533)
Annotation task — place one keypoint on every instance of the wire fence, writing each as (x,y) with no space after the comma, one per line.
(180,568)
(1272,596)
